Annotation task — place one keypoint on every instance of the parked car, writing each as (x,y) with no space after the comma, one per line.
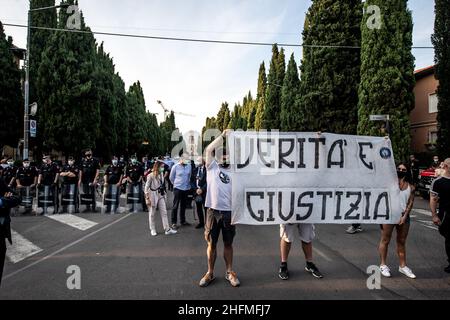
(426,178)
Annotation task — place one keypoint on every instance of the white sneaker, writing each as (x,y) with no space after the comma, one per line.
(407,272)
(170,232)
(385,271)
(154,234)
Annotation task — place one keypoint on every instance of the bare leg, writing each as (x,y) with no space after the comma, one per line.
(402,234)
(285,248)
(386,235)
(228,256)
(212,255)
(308,251)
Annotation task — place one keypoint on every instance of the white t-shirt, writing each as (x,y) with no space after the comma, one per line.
(218,195)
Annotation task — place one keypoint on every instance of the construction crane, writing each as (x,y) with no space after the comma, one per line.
(167,111)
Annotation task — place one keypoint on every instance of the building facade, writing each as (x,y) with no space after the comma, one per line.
(423,117)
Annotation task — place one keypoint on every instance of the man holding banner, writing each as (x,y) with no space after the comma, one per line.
(218,216)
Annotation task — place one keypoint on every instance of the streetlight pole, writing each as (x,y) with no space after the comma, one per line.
(26,118)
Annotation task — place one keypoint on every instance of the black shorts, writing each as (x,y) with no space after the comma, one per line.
(216,221)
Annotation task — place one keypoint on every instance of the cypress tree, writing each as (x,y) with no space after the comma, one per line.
(136,118)
(387,74)
(261,97)
(272,107)
(69,112)
(441,42)
(330,75)
(39,39)
(11,100)
(223,117)
(290,120)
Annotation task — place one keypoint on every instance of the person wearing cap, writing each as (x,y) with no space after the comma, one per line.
(134,176)
(26,176)
(71,176)
(113,176)
(49,176)
(89,172)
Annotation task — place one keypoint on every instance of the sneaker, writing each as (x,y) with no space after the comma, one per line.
(311,268)
(206,280)
(170,232)
(154,234)
(283,273)
(447,269)
(407,272)
(385,271)
(174,226)
(233,279)
(353,230)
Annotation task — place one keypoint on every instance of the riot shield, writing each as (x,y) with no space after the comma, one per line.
(69,199)
(87,196)
(134,197)
(111,199)
(47,199)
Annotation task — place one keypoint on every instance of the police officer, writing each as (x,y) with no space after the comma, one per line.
(113,176)
(134,176)
(26,176)
(123,165)
(9,173)
(48,177)
(90,169)
(71,176)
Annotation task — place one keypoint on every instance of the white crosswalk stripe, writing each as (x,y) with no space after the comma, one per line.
(73,221)
(21,248)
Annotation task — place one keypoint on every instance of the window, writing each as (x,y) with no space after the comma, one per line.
(433,103)
(432,137)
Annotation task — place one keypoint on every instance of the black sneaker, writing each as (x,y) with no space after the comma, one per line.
(283,273)
(447,269)
(311,268)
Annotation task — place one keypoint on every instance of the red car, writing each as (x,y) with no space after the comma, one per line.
(425,180)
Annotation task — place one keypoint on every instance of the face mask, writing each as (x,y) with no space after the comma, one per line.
(10,164)
(89,156)
(115,162)
(161,170)
(186,162)
(401,174)
(26,165)
(71,163)
(133,161)
(436,160)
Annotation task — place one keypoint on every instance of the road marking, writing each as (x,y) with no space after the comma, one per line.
(323,255)
(21,248)
(422,211)
(66,247)
(73,221)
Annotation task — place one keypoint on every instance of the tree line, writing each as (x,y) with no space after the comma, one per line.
(82,100)
(366,69)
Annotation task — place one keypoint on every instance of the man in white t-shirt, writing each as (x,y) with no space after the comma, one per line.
(218,216)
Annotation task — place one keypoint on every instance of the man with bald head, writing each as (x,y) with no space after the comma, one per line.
(440,193)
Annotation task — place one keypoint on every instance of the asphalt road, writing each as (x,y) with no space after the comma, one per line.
(118,259)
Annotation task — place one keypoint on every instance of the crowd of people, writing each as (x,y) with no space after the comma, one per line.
(209,186)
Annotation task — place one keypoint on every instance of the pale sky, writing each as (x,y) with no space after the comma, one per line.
(196,78)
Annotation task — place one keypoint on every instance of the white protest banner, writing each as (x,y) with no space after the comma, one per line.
(281,178)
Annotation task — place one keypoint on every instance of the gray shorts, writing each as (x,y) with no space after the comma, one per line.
(306,232)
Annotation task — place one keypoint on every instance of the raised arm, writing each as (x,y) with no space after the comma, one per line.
(209,152)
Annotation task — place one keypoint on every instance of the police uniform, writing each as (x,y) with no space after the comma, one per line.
(48,173)
(8,174)
(135,172)
(26,176)
(113,174)
(89,169)
(67,199)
